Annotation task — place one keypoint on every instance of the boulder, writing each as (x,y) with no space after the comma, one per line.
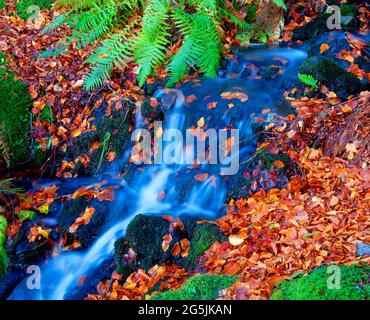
(332,75)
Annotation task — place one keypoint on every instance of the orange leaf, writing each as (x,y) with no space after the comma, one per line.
(201,176)
(324,47)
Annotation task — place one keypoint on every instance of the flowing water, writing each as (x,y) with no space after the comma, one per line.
(184,195)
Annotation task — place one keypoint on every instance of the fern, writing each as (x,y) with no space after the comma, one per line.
(114,51)
(308,80)
(3,255)
(149,29)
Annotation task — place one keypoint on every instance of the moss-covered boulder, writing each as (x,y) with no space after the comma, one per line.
(112,135)
(332,75)
(145,235)
(201,239)
(15,107)
(85,233)
(353,284)
(201,287)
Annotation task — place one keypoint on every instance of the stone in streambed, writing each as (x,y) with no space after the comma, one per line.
(319,26)
(332,75)
(145,235)
(85,234)
(142,245)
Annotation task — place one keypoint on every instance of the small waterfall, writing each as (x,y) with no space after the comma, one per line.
(60,274)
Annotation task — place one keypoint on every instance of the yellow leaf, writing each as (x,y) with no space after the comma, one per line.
(235,240)
(44,209)
(201,122)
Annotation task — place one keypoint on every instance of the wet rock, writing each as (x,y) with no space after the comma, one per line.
(11,279)
(332,75)
(362,249)
(151,113)
(125,258)
(22,253)
(260,173)
(85,234)
(318,26)
(145,236)
(114,135)
(363,62)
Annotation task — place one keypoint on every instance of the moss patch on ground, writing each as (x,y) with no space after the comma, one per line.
(354,284)
(201,287)
(23,5)
(15,107)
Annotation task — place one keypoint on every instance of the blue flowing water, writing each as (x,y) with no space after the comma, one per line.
(60,274)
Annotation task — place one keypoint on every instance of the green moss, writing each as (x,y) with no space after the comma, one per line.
(331,75)
(85,234)
(201,287)
(15,107)
(348,10)
(3,255)
(144,235)
(204,235)
(353,285)
(114,134)
(23,5)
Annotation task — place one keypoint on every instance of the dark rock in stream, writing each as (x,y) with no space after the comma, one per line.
(318,25)
(142,245)
(88,283)
(22,253)
(332,75)
(112,132)
(85,234)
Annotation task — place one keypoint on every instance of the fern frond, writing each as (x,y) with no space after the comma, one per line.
(151,46)
(308,80)
(114,51)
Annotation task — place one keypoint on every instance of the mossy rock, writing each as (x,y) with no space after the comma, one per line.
(201,239)
(85,234)
(319,26)
(15,107)
(201,287)
(114,134)
(353,285)
(144,235)
(332,75)
(123,267)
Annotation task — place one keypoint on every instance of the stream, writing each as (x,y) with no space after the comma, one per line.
(263,74)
